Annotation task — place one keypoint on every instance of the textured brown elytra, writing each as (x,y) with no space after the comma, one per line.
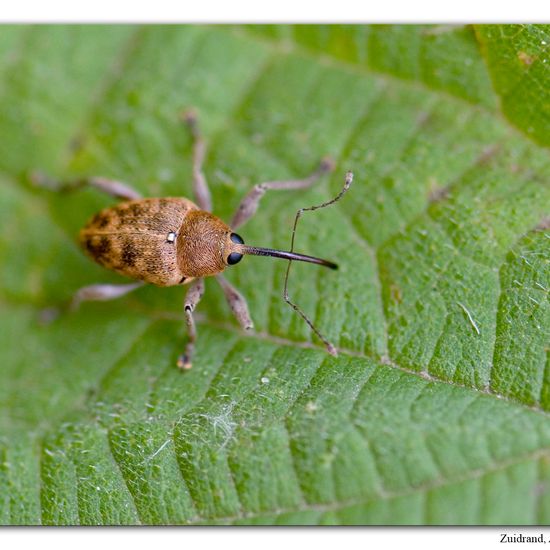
(165,242)
(174,241)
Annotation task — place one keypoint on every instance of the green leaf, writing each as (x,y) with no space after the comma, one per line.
(518,58)
(435,410)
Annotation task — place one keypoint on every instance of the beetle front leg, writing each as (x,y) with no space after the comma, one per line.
(200,185)
(250,203)
(113,188)
(236,302)
(102,293)
(192,298)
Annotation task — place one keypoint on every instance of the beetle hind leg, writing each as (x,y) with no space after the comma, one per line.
(114,188)
(102,293)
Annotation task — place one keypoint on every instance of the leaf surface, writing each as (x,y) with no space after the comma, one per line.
(436,409)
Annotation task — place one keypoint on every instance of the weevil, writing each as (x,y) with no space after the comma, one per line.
(175,241)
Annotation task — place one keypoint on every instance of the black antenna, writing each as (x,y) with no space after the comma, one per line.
(347,183)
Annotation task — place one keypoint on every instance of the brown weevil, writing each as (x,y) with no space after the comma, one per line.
(174,241)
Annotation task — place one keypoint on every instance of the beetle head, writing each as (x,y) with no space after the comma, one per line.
(206,246)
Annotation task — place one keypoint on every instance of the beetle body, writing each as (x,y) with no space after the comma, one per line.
(174,241)
(162,241)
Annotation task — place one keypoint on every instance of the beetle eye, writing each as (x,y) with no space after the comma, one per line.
(234,258)
(236,238)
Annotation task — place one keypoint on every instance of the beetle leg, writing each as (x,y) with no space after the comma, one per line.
(249,204)
(192,298)
(236,302)
(200,185)
(102,293)
(114,188)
